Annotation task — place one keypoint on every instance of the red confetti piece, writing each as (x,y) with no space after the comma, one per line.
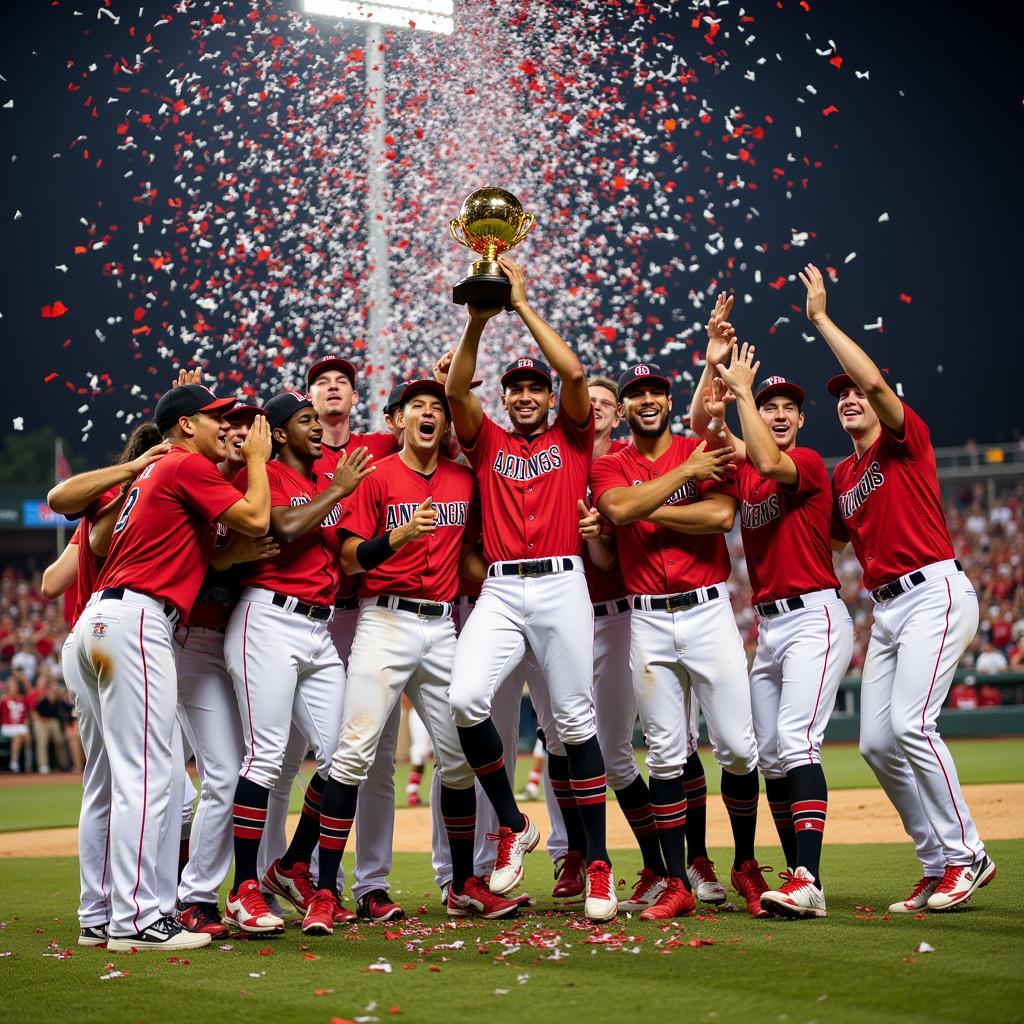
(905,298)
(58,309)
(830,109)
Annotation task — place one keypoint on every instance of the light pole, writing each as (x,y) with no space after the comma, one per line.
(418,15)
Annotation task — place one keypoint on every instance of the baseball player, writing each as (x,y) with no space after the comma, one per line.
(331,385)
(530,478)
(162,543)
(404,530)
(887,503)
(805,635)
(283,663)
(670,505)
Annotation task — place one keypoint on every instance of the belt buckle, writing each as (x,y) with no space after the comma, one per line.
(311,613)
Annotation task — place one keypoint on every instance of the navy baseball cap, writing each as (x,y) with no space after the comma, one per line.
(526,366)
(281,408)
(645,372)
(331,363)
(836,384)
(187,400)
(395,398)
(771,386)
(425,384)
(242,412)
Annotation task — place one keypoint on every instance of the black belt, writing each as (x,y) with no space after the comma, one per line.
(770,608)
(676,602)
(316,612)
(888,591)
(117,594)
(601,608)
(346,604)
(538,567)
(428,609)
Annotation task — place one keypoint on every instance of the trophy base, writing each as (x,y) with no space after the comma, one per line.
(484,291)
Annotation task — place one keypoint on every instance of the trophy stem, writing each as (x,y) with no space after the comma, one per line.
(487,267)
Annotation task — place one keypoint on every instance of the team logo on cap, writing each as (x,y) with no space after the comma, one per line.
(769,381)
(525,362)
(298,395)
(641,371)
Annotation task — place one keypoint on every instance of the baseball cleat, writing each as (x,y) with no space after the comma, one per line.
(704,882)
(675,901)
(319,916)
(512,848)
(246,910)
(376,905)
(294,884)
(747,880)
(799,896)
(93,935)
(413,800)
(164,933)
(570,876)
(960,882)
(601,903)
(342,915)
(476,900)
(918,899)
(645,893)
(202,917)
(445,889)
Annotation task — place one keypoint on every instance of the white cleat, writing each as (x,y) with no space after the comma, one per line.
(165,933)
(246,910)
(512,848)
(645,893)
(918,899)
(960,882)
(704,882)
(601,903)
(799,896)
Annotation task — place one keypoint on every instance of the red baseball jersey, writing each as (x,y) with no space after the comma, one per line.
(163,537)
(219,592)
(887,503)
(89,564)
(604,584)
(785,530)
(427,568)
(529,487)
(307,568)
(654,559)
(13,711)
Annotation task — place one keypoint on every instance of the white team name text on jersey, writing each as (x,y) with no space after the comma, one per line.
(688,492)
(515,467)
(755,514)
(851,500)
(449,513)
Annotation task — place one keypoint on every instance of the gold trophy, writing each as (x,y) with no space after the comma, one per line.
(491,222)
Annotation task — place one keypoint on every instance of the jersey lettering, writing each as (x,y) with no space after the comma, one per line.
(688,492)
(851,500)
(332,517)
(517,468)
(756,514)
(449,513)
(129,504)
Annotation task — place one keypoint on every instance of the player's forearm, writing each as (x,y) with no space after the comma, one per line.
(60,574)
(853,359)
(290,522)
(560,357)
(463,365)
(76,494)
(603,553)
(761,451)
(623,505)
(102,531)
(251,515)
(699,417)
(701,517)
(472,564)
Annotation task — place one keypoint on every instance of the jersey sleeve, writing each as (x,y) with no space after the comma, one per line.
(279,495)
(380,444)
(811,475)
(606,473)
(915,438)
(579,435)
(479,449)
(198,483)
(361,513)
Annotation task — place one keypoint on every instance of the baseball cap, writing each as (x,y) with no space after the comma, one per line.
(643,372)
(395,397)
(778,386)
(331,363)
(187,400)
(836,384)
(281,408)
(528,366)
(243,412)
(424,384)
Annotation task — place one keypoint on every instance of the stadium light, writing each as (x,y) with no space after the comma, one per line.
(418,15)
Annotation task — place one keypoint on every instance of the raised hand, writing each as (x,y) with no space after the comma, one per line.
(591,521)
(186,377)
(257,446)
(151,455)
(441,366)
(351,469)
(812,280)
(717,398)
(518,279)
(721,334)
(705,465)
(742,369)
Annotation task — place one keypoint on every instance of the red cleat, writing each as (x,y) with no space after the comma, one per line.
(675,901)
(571,877)
(747,880)
(476,900)
(319,919)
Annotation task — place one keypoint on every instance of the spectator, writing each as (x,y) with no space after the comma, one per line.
(991,661)
(47,726)
(989,696)
(964,696)
(26,661)
(14,720)
(69,722)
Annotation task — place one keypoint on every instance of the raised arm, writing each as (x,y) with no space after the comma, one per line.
(713,514)
(61,573)
(73,496)
(467,412)
(574,395)
(761,450)
(721,337)
(852,358)
(624,505)
(251,513)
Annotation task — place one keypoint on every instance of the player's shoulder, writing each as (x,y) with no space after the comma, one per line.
(455,470)
(618,446)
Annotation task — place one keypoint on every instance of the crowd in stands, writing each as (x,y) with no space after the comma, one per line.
(37,718)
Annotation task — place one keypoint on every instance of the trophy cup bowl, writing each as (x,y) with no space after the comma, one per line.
(491,222)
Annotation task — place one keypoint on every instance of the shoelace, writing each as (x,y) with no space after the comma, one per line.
(504,837)
(303,881)
(950,877)
(704,869)
(600,876)
(253,902)
(642,887)
(920,887)
(752,879)
(791,883)
(323,902)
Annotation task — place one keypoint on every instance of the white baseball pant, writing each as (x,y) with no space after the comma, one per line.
(126,660)
(802,656)
(699,648)
(917,640)
(614,701)
(206,699)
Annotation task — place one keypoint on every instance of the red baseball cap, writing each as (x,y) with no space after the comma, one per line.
(778,386)
(331,363)
(836,384)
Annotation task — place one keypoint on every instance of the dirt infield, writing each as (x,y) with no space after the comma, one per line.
(855,816)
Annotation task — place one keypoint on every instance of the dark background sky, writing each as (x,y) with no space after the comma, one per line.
(943,161)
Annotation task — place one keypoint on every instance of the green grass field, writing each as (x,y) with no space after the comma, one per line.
(854,966)
(54,805)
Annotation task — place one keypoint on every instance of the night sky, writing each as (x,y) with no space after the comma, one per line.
(942,160)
